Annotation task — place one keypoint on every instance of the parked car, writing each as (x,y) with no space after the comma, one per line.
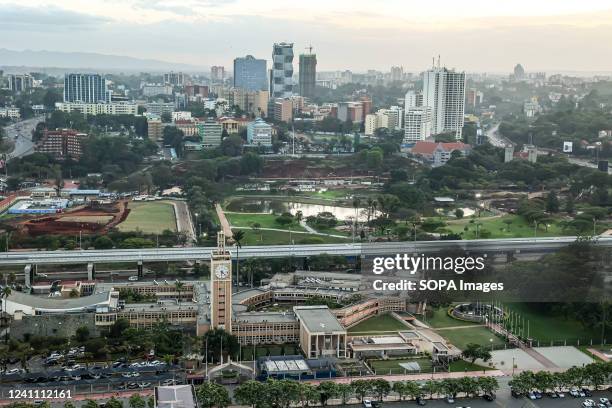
(367,403)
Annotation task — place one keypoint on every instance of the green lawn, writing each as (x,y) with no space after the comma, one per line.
(263,237)
(264,221)
(547,327)
(479,335)
(439,318)
(378,324)
(519,228)
(151,217)
(462,365)
(393,366)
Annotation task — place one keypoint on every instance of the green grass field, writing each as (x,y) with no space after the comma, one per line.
(462,365)
(378,324)
(439,318)
(547,327)
(519,228)
(464,336)
(393,366)
(263,237)
(151,217)
(264,221)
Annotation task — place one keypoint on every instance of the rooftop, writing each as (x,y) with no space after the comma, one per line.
(318,319)
(56,304)
(175,396)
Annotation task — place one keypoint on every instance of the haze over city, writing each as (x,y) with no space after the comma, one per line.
(473,35)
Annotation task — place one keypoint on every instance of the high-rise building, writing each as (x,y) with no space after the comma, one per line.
(397,74)
(19,83)
(174,78)
(413,99)
(85,88)
(444,93)
(217,73)
(353,111)
(308,75)
(250,73)
(62,143)
(281,74)
(519,72)
(417,124)
(474,97)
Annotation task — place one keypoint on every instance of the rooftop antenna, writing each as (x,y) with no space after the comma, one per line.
(309,48)
(433,62)
(438,61)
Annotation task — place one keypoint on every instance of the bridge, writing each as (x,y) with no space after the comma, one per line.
(519,245)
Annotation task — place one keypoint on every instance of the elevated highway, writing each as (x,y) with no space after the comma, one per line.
(519,245)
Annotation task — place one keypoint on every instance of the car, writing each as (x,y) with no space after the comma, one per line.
(449,399)
(587,392)
(367,403)
(133,278)
(489,397)
(420,401)
(144,384)
(588,403)
(15,371)
(132,386)
(135,365)
(561,395)
(516,394)
(538,394)
(600,405)
(377,404)
(126,375)
(574,393)
(532,395)
(604,400)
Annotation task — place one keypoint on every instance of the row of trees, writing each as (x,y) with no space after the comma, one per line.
(594,374)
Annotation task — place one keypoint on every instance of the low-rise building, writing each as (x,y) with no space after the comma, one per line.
(62,143)
(119,108)
(437,154)
(259,133)
(10,112)
(211,133)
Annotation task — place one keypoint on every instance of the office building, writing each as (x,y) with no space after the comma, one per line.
(308,75)
(281,74)
(353,111)
(155,128)
(396,74)
(174,78)
(283,110)
(197,91)
(85,88)
(519,72)
(10,112)
(474,97)
(61,143)
(149,90)
(444,93)
(413,99)
(217,74)
(259,133)
(93,109)
(19,82)
(250,73)
(159,108)
(417,124)
(211,133)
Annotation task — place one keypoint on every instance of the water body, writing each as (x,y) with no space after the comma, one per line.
(255,205)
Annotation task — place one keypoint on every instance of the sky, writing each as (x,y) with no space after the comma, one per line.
(470,35)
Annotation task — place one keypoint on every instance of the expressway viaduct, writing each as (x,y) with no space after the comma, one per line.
(30,259)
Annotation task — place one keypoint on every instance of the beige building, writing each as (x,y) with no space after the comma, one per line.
(321,334)
(155,129)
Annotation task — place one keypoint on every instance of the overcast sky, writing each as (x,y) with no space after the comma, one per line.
(472,35)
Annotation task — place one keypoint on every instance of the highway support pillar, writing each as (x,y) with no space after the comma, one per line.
(91,271)
(28,275)
(140,270)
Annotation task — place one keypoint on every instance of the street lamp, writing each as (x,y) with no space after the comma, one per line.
(196,228)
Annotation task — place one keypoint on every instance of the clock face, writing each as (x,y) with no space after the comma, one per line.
(222,271)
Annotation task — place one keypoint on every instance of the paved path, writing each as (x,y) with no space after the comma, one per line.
(225,225)
(295,232)
(460,327)
(184,223)
(599,354)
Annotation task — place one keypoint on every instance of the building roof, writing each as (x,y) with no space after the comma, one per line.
(175,396)
(318,319)
(271,317)
(428,148)
(54,304)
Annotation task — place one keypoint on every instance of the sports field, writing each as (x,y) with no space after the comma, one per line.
(150,217)
(378,324)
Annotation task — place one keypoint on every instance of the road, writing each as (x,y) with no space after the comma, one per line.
(522,245)
(495,138)
(183,221)
(21,134)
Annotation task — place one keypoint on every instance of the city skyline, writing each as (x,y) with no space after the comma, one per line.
(343,37)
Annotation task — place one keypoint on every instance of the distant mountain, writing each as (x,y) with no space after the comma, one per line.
(86,60)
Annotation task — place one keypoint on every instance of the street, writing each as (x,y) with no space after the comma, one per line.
(21,134)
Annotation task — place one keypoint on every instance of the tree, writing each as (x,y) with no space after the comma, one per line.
(381,387)
(114,403)
(400,389)
(327,390)
(475,351)
(250,393)
(552,202)
(90,404)
(459,213)
(251,163)
(488,385)
(103,242)
(136,401)
(179,286)
(82,334)
(212,395)
(361,388)
(345,391)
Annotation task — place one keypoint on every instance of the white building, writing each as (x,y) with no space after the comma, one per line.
(181,115)
(156,89)
(281,74)
(417,124)
(384,118)
(259,133)
(10,112)
(98,108)
(444,93)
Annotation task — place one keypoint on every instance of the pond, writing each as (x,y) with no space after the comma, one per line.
(254,205)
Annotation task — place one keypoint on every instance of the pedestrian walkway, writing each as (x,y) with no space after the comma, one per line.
(225,225)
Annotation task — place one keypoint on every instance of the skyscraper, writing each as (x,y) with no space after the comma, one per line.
(281,74)
(174,78)
(19,83)
(417,124)
(217,74)
(444,93)
(308,74)
(86,88)
(250,73)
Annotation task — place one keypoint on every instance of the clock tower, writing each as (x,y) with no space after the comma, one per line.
(221,282)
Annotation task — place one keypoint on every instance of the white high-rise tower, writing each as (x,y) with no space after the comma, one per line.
(444,93)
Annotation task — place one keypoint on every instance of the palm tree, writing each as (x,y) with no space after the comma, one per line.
(179,286)
(356,204)
(6,292)
(238,236)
